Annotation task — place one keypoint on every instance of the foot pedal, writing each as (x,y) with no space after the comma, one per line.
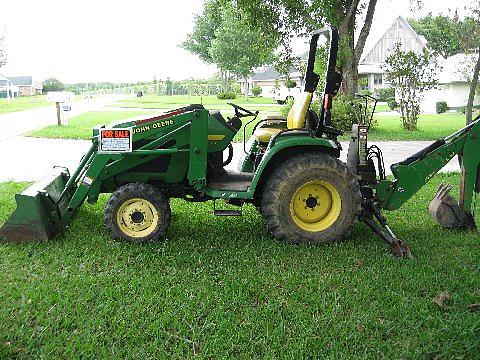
(217,212)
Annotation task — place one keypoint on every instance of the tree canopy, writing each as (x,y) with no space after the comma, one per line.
(52,84)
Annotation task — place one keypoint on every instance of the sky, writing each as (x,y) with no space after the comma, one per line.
(125,40)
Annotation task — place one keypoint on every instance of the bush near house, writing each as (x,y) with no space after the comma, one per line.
(343,113)
(256,90)
(441,107)
(227,95)
(392,103)
(384,94)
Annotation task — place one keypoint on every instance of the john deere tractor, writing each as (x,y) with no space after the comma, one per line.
(290,170)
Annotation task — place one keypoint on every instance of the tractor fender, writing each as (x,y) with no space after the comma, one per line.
(282,150)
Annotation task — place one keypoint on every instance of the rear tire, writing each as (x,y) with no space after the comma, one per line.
(137,212)
(311,198)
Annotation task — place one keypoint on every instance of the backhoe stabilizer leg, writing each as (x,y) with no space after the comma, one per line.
(398,247)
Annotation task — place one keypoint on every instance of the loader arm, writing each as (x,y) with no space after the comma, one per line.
(414,172)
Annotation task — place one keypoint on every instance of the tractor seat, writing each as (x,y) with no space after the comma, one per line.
(295,119)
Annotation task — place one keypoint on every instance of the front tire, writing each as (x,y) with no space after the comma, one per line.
(311,198)
(137,212)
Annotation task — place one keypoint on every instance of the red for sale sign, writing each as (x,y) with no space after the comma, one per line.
(115,140)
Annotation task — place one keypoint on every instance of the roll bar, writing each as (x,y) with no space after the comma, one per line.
(333,79)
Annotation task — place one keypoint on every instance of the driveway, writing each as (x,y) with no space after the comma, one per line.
(33,158)
(19,122)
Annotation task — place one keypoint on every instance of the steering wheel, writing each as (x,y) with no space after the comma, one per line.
(242,112)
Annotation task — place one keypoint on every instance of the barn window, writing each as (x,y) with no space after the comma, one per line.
(377,79)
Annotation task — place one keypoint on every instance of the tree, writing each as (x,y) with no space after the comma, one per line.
(198,42)
(443,33)
(410,74)
(3,51)
(283,19)
(237,48)
(52,84)
(222,35)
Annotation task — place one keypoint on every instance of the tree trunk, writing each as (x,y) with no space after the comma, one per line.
(350,67)
(473,88)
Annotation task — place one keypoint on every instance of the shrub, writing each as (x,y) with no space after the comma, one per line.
(384,94)
(227,95)
(441,107)
(343,112)
(392,103)
(256,90)
(365,92)
(290,84)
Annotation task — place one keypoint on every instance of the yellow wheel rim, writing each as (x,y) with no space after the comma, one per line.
(315,206)
(137,218)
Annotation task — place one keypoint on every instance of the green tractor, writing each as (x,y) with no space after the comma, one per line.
(290,171)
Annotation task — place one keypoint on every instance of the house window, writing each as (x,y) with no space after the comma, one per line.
(377,79)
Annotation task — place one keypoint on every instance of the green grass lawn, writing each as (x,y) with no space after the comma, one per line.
(211,102)
(382,108)
(80,127)
(23,103)
(222,287)
(430,127)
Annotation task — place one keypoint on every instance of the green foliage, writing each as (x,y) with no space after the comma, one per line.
(441,107)
(222,35)
(442,33)
(199,41)
(392,103)
(343,112)
(384,94)
(237,47)
(227,95)
(52,84)
(256,90)
(448,36)
(290,84)
(410,74)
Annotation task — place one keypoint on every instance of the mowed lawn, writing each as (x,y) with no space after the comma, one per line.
(23,103)
(211,102)
(430,127)
(80,127)
(222,287)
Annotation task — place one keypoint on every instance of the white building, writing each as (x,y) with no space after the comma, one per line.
(372,63)
(454,84)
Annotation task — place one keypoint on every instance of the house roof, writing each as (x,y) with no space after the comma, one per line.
(21,80)
(400,31)
(269,73)
(455,68)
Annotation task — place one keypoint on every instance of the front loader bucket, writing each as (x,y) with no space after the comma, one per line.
(445,209)
(39,210)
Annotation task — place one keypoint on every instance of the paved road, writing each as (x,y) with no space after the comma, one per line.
(33,157)
(19,122)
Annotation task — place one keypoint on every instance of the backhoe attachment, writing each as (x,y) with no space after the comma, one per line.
(445,210)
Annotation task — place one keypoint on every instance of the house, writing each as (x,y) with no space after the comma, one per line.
(273,83)
(27,85)
(453,83)
(371,65)
(7,89)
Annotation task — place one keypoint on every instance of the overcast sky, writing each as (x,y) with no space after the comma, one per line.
(124,40)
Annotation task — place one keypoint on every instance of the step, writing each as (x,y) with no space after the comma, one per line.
(217,212)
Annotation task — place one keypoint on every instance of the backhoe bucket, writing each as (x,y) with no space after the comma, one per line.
(445,209)
(39,210)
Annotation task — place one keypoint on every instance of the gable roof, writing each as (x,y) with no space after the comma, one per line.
(21,80)
(399,32)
